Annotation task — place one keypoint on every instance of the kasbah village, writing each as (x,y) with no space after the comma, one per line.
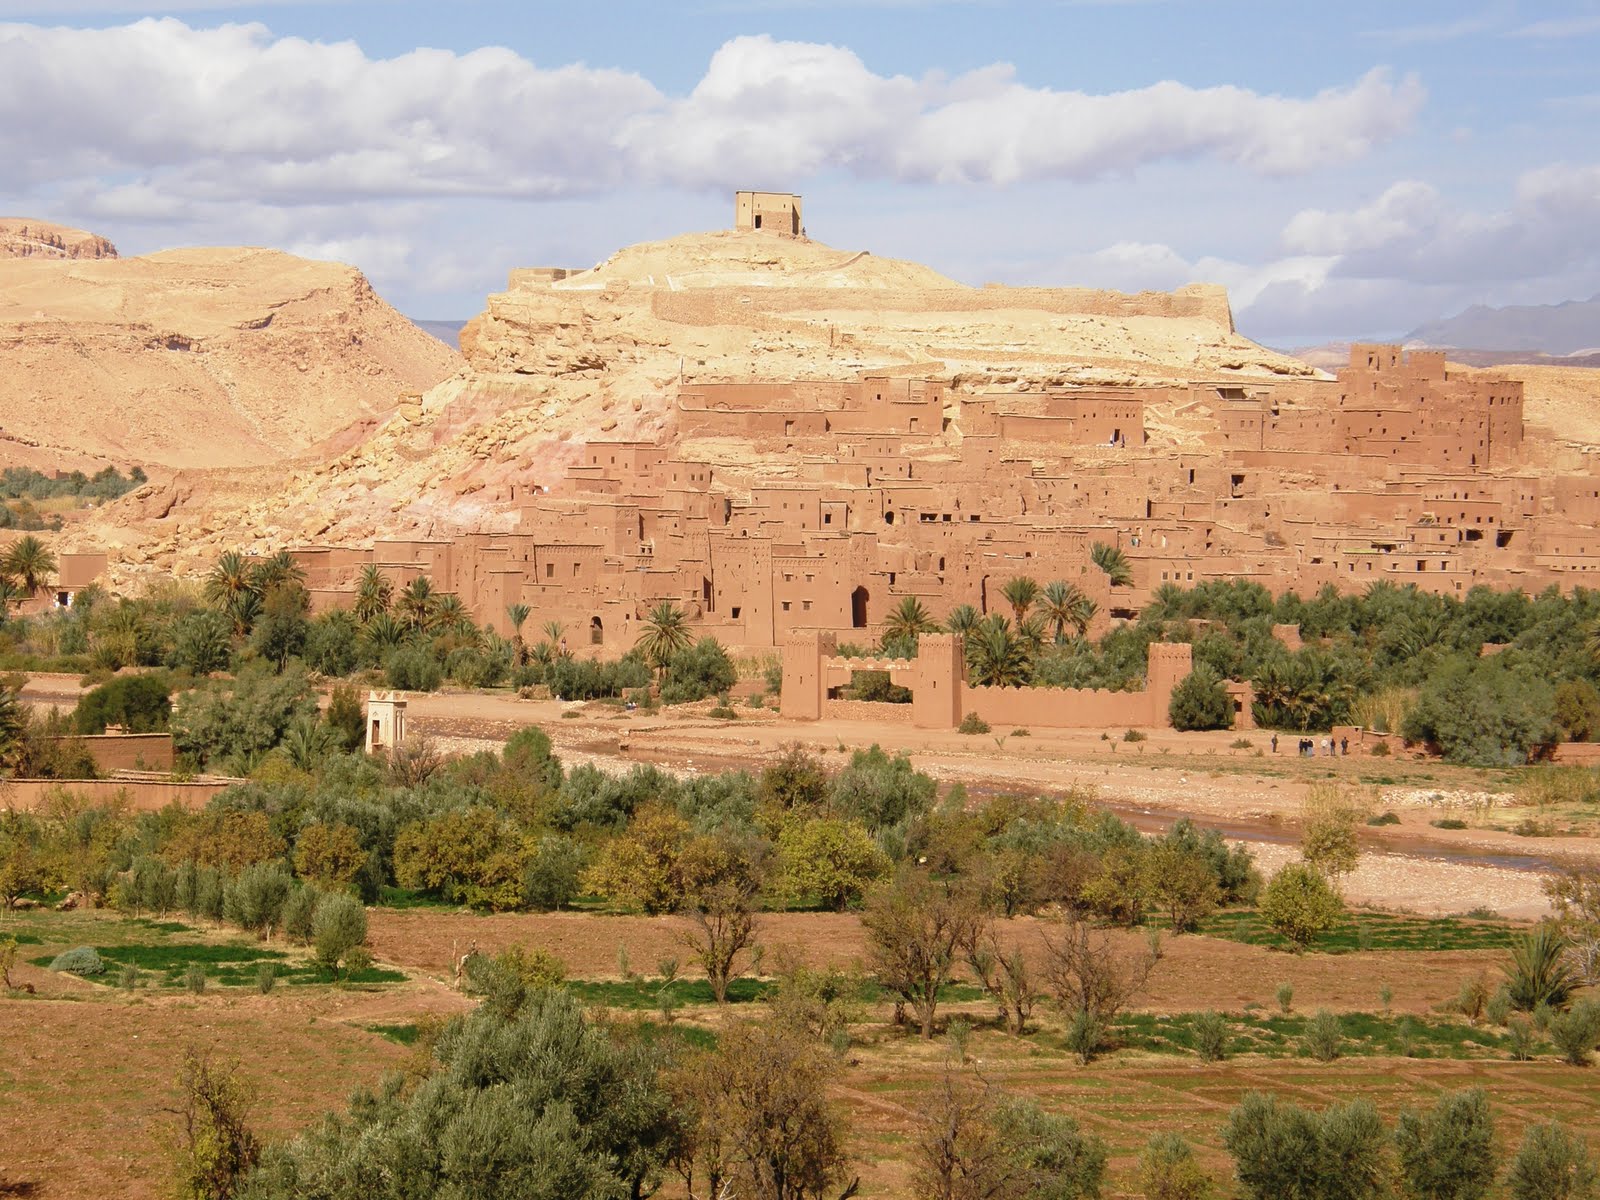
(914,708)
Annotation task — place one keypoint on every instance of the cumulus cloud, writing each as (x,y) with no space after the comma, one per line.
(234,111)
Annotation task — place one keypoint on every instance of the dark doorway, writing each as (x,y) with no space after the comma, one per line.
(858,608)
(597,632)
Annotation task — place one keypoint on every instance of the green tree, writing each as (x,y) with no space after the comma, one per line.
(202,643)
(1182,883)
(339,927)
(228,579)
(526,1099)
(1578,710)
(241,719)
(1448,1153)
(1329,820)
(1552,1164)
(1200,701)
(346,717)
(696,672)
(1299,904)
(828,861)
(418,605)
(1484,713)
(1284,1152)
(138,703)
(1065,604)
(1168,1170)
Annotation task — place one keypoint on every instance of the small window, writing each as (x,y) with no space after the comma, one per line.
(785,606)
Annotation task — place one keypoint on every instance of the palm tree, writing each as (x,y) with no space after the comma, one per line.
(374,593)
(230,577)
(995,656)
(384,633)
(665,634)
(517,614)
(554,632)
(10,594)
(909,621)
(1020,592)
(1083,612)
(1062,604)
(13,720)
(1031,633)
(1113,562)
(277,570)
(242,608)
(451,613)
(418,604)
(962,620)
(30,562)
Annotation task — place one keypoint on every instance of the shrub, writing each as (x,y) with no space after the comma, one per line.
(1577,710)
(139,703)
(972,723)
(1539,972)
(1384,818)
(1211,1037)
(128,978)
(256,897)
(195,978)
(1299,904)
(266,977)
(1133,735)
(1086,1035)
(1575,1033)
(413,669)
(1472,998)
(1484,712)
(340,925)
(80,960)
(1285,997)
(1499,1006)
(703,670)
(1522,1041)
(1200,701)
(1381,750)
(1448,1153)
(1552,1164)
(215,1147)
(1168,1170)
(1448,823)
(1284,1152)
(1324,1038)
(1240,743)
(551,879)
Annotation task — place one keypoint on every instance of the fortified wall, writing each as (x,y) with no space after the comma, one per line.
(769,510)
(941,697)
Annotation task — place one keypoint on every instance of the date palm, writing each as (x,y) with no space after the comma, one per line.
(1063,604)
(450,613)
(30,562)
(275,571)
(962,620)
(1020,592)
(374,593)
(517,614)
(384,633)
(665,633)
(10,593)
(229,578)
(418,604)
(909,621)
(1113,562)
(997,657)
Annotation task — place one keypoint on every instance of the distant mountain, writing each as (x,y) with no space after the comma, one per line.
(1555,329)
(448,332)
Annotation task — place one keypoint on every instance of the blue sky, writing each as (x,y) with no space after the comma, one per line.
(1347,170)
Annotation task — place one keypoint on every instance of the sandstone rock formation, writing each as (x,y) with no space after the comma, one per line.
(23,238)
(193,358)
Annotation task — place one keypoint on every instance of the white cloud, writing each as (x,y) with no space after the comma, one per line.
(159,108)
(1401,212)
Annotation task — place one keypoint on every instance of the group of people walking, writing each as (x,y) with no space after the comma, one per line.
(1308,746)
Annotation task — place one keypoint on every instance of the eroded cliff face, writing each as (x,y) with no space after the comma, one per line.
(23,238)
(561,358)
(200,358)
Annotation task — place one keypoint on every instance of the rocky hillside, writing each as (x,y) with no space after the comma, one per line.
(197,358)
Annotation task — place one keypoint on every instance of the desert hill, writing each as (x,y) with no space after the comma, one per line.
(1572,327)
(194,358)
(24,238)
(561,357)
